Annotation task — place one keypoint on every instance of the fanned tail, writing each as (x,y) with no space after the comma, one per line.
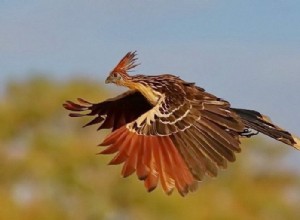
(261,123)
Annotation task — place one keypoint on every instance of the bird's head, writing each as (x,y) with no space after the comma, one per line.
(119,75)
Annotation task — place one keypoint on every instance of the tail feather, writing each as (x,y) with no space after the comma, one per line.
(261,123)
(297,140)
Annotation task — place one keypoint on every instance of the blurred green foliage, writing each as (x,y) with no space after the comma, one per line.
(50,170)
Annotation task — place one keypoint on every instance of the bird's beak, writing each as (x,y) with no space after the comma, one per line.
(108,80)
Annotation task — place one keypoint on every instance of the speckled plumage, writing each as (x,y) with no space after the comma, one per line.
(169,130)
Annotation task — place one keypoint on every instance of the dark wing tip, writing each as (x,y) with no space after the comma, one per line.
(69,105)
(150,189)
(83,101)
(76,115)
(297,142)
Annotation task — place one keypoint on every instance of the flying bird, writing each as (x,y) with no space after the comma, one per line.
(171,131)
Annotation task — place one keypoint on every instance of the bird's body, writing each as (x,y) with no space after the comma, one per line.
(172,131)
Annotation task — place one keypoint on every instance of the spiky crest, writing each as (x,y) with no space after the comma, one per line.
(127,63)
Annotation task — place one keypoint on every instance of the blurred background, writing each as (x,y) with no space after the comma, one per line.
(247,52)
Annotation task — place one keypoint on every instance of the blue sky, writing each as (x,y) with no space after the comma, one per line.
(247,52)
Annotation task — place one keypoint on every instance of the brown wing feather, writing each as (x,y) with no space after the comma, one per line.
(112,113)
(153,158)
(203,128)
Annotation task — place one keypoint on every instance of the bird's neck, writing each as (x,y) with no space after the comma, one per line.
(151,95)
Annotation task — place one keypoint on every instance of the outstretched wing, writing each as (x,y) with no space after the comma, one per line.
(152,157)
(187,134)
(112,113)
(202,127)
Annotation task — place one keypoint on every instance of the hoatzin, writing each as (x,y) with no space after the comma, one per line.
(169,130)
